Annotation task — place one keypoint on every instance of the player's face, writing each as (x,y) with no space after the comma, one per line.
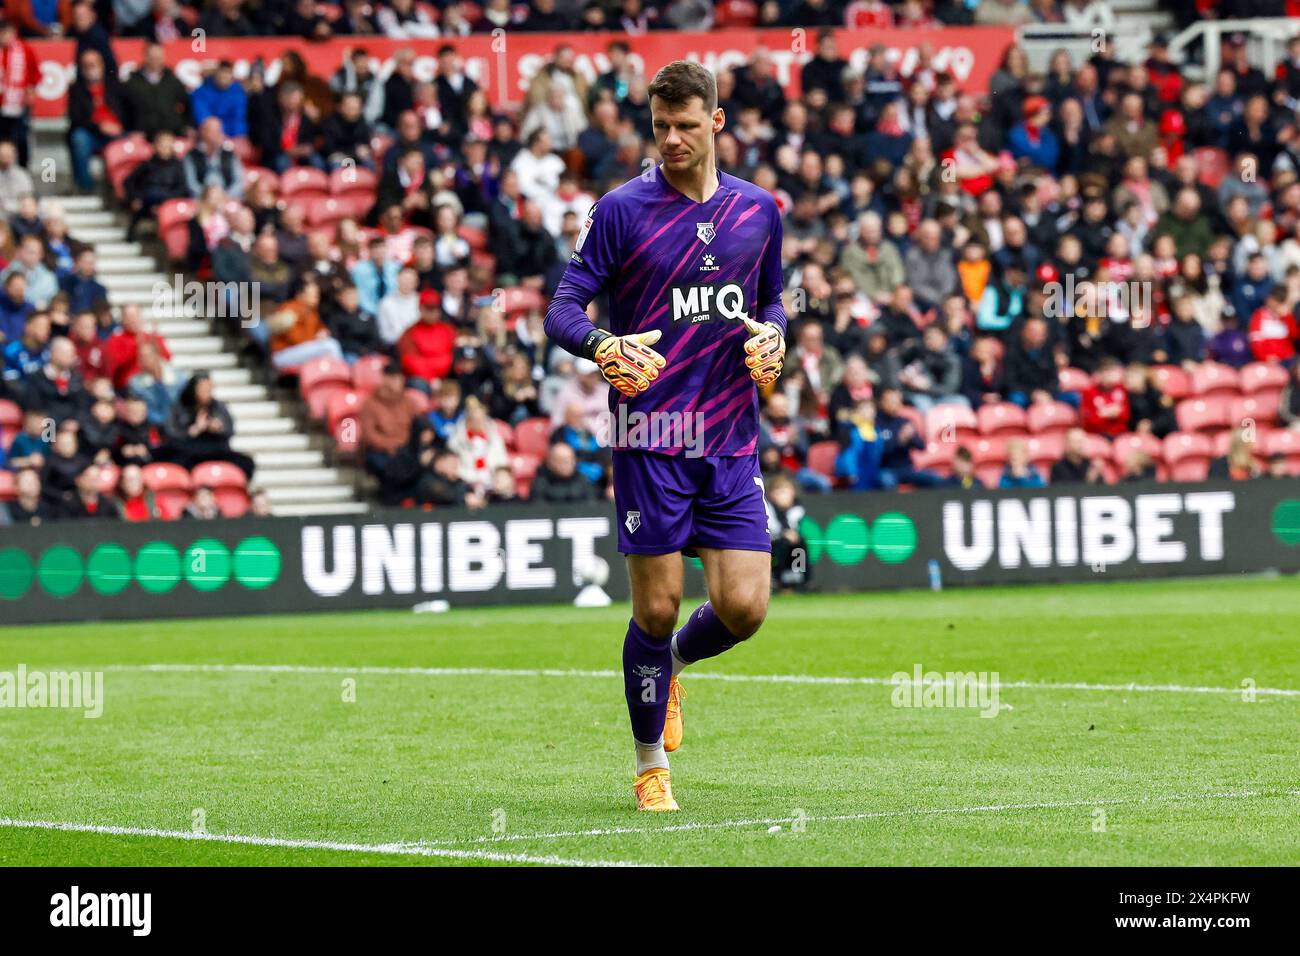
(684,133)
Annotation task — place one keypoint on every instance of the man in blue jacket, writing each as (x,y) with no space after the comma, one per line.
(222,97)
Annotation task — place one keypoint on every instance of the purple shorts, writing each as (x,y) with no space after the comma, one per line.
(668,503)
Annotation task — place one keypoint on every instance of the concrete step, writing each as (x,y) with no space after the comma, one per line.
(181,328)
(132,265)
(130,282)
(79,203)
(103,250)
(196,344)
(98,234)
(288,460)
(300,478)
(253,444)
(264,426)
(256,409)
(194,361)
(231,375)
(322,508)
(301,495)
(241,393)
(81,219)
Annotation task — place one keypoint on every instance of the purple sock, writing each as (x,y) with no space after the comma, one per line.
(702,636)
(647,668)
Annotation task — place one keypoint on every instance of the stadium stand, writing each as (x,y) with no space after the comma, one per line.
(1091,243)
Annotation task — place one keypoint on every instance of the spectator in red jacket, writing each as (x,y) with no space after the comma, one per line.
(19,77)
(1105,403)
(1273,332)
(426,347)
(122,350)
(92,358)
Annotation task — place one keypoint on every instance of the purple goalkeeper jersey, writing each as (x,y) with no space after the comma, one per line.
(693,271)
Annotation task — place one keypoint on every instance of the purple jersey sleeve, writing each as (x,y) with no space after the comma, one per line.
(770,284)
(592,266)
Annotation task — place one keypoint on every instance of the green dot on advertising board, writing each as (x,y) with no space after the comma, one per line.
(812,536)
(257,563)
(60,570)
(16,573)
(207,565)
(1286,521)
(894,537)
(108,569)
(847,539)
(158,567)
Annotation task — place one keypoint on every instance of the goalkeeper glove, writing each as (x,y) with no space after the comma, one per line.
(627,361)
(764,351)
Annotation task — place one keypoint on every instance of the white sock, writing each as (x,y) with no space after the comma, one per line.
(650,755)
(678,664)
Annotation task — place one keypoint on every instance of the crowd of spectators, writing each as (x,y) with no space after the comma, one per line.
(944,249)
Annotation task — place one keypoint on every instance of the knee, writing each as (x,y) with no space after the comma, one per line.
(743,615)
(658,616)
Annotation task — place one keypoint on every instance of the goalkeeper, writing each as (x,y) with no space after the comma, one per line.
(690,259)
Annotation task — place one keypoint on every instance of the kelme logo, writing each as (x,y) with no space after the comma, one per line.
(158,567)
(847,538)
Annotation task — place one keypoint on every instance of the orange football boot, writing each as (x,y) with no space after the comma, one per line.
(654,791)
(673,718)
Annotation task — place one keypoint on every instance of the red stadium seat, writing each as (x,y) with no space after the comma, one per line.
(1073,379)
(990,475)
(11,415)
(516,301)
(1259,376)
(321,370)
(174,216)
(170,485)
(1212,165)
(218,474)
(304,183)
(8,485)
(936,456)
(507,434)
(1285,441)
(1123,446)
(108,476)
(533,436)
(341,405)
(244,149)
(1258,441)
(121,157)
(950,423)
(1000,418)
(232,502)
(367,373)
(1211,378)
(1045,449)
(987,451)
(525,468)
(254,174)
(1172,381)
(1188,454)
(1054,419)
(1252,410)
(1203,414)
(353,180)
(822,455)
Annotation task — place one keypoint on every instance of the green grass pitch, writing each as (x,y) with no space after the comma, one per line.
(1124,737)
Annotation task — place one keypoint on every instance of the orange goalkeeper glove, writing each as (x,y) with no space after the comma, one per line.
(764,351)
(628,362)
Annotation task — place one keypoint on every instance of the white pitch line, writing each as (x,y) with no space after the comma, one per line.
(867,815)
(387,849)
(693,675)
